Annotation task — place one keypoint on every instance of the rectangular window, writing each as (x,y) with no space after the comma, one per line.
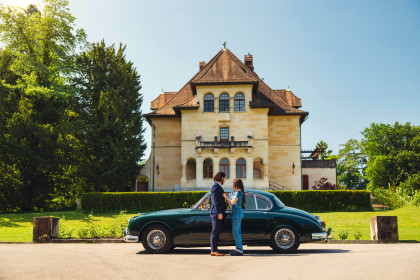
(224,134)
(208,106)
(240,171)
(225,169)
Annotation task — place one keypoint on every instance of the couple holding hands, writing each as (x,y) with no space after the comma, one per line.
(218,209)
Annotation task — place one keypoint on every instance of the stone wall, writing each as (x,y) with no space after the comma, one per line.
(284,151)
(167,154)
(314,174)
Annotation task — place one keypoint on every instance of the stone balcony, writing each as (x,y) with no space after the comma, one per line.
(215,143)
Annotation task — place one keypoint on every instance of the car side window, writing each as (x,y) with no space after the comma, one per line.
(250,202)
(262,204)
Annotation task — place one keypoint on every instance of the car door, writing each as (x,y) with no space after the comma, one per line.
(200,224)
(256,217)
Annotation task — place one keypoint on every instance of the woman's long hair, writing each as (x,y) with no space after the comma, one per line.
(237,184)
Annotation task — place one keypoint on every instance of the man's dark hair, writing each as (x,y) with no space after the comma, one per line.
(218,177)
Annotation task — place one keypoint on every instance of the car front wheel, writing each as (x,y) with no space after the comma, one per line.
(285,240)
(157,239)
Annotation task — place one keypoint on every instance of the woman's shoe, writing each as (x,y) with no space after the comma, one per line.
(236,253)
(216,254)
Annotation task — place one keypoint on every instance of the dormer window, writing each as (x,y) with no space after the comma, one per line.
(239,102)
(224,103)
(209,103)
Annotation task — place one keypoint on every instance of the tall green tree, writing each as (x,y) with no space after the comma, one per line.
(393,153)
(351,166)
(110,102)
(36,143)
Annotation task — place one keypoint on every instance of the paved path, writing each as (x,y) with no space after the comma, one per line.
(130,261)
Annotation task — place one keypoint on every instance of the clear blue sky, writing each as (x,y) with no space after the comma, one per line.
(351,62)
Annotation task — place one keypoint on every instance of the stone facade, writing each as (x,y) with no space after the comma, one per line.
(253,137)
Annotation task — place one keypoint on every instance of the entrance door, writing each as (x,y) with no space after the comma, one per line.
(305,182)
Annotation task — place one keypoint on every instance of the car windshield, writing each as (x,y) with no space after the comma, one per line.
(278,201)
(204,203)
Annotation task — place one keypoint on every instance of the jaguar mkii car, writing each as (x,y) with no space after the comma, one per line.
(267,221)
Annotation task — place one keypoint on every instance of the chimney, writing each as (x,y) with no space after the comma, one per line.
(248,61)
(202,64)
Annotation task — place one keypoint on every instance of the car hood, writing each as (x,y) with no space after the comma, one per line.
(167,212)
(298,212)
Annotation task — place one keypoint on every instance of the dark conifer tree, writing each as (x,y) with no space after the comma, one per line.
(110,102)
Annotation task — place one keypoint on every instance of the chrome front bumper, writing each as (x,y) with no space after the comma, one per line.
(322,235)
(130,238)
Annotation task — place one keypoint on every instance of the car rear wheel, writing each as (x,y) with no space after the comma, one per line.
(157,239)
(285,240)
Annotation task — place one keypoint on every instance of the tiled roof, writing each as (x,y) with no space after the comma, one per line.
(223,69)
(161,100)
(226,68)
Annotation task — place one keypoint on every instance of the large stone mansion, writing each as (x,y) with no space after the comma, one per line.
(225,119)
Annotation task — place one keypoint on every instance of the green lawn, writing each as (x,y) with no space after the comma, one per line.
(18,227)
(359,222)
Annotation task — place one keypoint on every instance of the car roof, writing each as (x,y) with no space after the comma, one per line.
(270,195)
(267,194)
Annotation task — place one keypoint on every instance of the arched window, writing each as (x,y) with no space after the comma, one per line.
(209,103)
(224,103)
(224,166)
(208,168)
(239,102)
(241,168)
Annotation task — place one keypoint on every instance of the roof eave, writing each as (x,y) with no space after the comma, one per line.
(194,84)
(178,109)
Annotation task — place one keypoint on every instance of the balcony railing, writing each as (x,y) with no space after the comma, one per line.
(216,143)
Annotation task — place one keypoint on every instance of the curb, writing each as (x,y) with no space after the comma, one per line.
(86,240)
(368,242)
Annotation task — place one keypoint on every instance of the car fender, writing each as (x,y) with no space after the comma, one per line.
(301,225)
(275,226)
(155,222)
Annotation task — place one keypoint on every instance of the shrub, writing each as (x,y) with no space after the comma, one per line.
(92,229)
(343,235)
(397,198)
(357,234)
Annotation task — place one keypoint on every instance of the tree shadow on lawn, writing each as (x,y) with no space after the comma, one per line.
(16,219)
(250,252)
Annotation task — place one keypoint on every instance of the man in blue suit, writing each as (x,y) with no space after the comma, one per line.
(217,212)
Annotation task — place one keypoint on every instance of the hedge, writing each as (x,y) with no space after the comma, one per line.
(138,201)
(323,201)
(316,201)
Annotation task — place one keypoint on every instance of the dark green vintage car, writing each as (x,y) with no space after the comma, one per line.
(267,221)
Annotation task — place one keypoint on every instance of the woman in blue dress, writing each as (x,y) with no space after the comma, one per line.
(236,200)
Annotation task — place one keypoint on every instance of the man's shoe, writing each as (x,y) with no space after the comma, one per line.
(236,253)
(216,254)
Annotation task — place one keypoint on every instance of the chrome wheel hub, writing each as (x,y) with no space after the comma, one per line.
(284,238)
(156,239)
